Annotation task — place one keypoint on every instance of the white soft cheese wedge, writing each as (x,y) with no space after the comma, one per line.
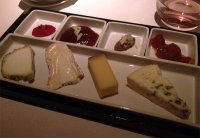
(19,64)
(148,81)
(63,69)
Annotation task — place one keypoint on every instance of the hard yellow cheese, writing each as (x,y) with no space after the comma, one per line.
(103,77)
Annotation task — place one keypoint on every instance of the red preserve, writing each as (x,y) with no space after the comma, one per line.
(168,51)
(80,34)
(43,30)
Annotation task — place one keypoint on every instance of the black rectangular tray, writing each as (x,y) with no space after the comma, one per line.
(129,120)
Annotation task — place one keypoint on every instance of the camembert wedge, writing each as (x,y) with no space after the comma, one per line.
(148,82)
(63,68)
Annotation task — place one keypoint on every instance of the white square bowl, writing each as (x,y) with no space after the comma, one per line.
(96,25)
(185,41)
(115,30)
(38,17)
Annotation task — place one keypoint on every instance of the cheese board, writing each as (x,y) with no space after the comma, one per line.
(127,102)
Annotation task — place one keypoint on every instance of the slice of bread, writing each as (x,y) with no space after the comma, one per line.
(19,64)
(148,82)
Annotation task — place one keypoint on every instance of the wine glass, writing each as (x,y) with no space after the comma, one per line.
(179,14)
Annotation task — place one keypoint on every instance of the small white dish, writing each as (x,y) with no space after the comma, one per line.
(185,41)
(40,17)
(96,25)
(115,30)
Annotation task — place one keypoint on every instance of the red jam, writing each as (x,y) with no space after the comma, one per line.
(168,51)
(43,30)
(87,36)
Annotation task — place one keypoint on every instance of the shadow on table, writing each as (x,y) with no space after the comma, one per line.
(26,7)
(161,24)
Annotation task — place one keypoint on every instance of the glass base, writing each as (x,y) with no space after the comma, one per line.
(178,27)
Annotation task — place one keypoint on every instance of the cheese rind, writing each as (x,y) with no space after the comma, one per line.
(19,64)
(148,82)
(103,77)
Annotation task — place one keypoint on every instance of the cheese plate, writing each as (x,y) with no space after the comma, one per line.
(122,65)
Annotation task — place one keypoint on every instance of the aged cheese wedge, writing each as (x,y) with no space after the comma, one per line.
(63,69)
(19,65)
(103,77)
(148,81)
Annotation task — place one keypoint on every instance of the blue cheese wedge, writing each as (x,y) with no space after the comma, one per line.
(149,82)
